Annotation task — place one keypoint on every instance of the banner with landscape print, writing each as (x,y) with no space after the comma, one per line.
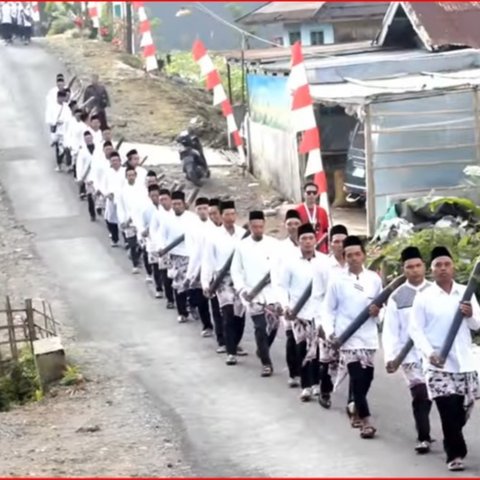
(269,101)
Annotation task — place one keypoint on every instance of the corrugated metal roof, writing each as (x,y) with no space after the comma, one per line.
(274,12)
(438,24)
(354,92)
(296,12)
(272,54)
(377,58)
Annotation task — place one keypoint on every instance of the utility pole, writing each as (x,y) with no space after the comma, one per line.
(129,28)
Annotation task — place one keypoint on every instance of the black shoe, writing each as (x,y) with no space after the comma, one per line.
(93,219)
(170,305)
(267,371)
(422,447)
(325,401)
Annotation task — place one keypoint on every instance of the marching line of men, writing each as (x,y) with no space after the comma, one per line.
(16,21)
(219,273)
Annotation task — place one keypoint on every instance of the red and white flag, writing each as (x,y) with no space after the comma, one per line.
(304,121)
(214,83)
(94,14)
(147,45)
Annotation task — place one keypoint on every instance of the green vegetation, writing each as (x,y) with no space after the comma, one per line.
(184,66)
(465,249)
(72,376)
(19,382)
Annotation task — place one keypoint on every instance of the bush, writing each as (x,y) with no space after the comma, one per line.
(464,249)
(60,25)
(19,382)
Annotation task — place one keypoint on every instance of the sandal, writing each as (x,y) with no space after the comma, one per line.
(267,371)
(456,466)
(367,431)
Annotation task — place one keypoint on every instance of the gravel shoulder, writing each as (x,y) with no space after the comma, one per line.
(107,426)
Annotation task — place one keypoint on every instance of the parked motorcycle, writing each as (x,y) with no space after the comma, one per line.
(192,157)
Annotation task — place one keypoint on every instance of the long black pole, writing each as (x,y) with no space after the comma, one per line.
(129,28)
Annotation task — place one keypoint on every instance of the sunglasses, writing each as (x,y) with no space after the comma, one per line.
(310,192)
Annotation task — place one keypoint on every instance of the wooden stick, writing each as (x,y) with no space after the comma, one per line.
(192,196)
(84,104)
(472,286)
(119,144)
(264,281)
(364,315)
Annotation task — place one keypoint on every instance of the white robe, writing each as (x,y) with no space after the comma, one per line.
(85,166)
(130,205)
(251,262)
(58,115)
(113,184)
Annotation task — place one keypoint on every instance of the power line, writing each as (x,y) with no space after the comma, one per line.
(200,6)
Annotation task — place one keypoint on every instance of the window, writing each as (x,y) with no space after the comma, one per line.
(293,37)
(317,38)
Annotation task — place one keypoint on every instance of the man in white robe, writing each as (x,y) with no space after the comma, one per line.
(51,98)
(219,249)
(133,160)
(94,125)
(85,171)
(253,259)
(197,300)
(57,117)
(395,336)
(452,382)
(178,225)
(6,22)
(161,215)
(114,180)
(347,295)
(297,275)
(215,223)
(287,248)
(133,197)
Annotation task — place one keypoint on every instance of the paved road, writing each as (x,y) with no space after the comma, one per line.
(232,422)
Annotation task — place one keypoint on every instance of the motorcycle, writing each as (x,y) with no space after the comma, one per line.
(193,159)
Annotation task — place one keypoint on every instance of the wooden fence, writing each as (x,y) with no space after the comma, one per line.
(20,327)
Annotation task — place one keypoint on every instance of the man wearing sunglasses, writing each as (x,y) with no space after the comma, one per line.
(311,212)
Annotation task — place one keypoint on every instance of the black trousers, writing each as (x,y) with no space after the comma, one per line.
(27,33)
(146,263)
(453,418)
(157,277)
(361,378)
(102,116)
(262,339)
(181,302)
(217,321)
(7,31)
(308,371)
(200,302)
(233,328)
(293,363)
(326,384)
(421,406)
(134,251)
(113,231)
(91,206)
(59,157)
(167,285)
